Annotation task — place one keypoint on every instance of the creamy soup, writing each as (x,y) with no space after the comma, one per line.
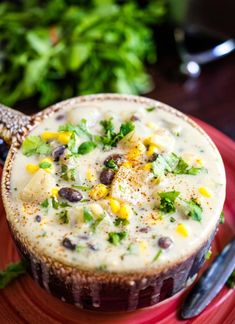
(117,186)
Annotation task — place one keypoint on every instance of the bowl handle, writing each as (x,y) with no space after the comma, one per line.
(13,124)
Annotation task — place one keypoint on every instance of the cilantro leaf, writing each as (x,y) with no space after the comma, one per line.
(183,168)
(193,210)
(111,138)
(79,129)
(115,238)
(86,147)
(45,203)
(33,145)
(167,204)
(63,216)
(67,174)
(12,271)
(121,221)
(45,165)
(150,109)
(96,223)
(111,165)
(87,216)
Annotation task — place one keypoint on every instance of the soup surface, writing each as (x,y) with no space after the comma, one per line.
(117,186)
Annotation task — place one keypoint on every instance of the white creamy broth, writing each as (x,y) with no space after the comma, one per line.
(154,205)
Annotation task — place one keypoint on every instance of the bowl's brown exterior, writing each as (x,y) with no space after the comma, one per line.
(100,290)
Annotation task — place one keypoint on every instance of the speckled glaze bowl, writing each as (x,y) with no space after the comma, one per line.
(93,290)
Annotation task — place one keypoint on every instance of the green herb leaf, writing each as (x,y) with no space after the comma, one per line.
(167,204)
(111,138)
(45,165)
(222,218)
(157,256)
(193,210)
(33,145)
(96,223)
(121,221)
(79,248)
(115,238)
(183,168)
(87,216)
(111,165)
(82,188)
(150,109)
(63,216)
(45,203)
(67,174)
(55,203)
(12,271)
(86,147)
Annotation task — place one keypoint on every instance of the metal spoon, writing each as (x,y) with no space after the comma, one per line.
(210,283)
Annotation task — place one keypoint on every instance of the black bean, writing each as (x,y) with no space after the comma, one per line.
(106,176)
(117,158)
(38,218)
(57,152)
(153,157)
(165,242)
(134,118)
(68,244)
(70,194)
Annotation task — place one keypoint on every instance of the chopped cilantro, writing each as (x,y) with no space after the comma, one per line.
(86,147)
(87,216)
(121,221)
(222,218)
(167,204)
(157,256)
(111,165)
(72,144)
(67,174)
(63,216)
(45,203)
(115,238)
(150,109)
(96,223)
(35,145)
(111,138)
(12,271)
(55,203)
(172,219)
(183,168)
(45,165)
(83,188)
(193,210)
(80,129)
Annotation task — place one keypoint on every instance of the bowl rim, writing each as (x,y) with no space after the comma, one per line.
(76,270)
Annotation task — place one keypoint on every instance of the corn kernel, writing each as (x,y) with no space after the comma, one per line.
(31,168)
(64,137)
(205,192)
(127,164)
(143,245)
(90,175)
(152,149)
(114,205)
(199,162)
(99,191)
(124,211)
(96,209)
(182,230)
(49,135)
(54,192)
(148,167)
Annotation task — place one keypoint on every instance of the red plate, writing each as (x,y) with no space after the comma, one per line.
(23,301)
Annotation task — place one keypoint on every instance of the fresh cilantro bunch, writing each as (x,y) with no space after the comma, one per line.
(51,50)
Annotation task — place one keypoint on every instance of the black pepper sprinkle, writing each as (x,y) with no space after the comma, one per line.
(38,218)
(68,244)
